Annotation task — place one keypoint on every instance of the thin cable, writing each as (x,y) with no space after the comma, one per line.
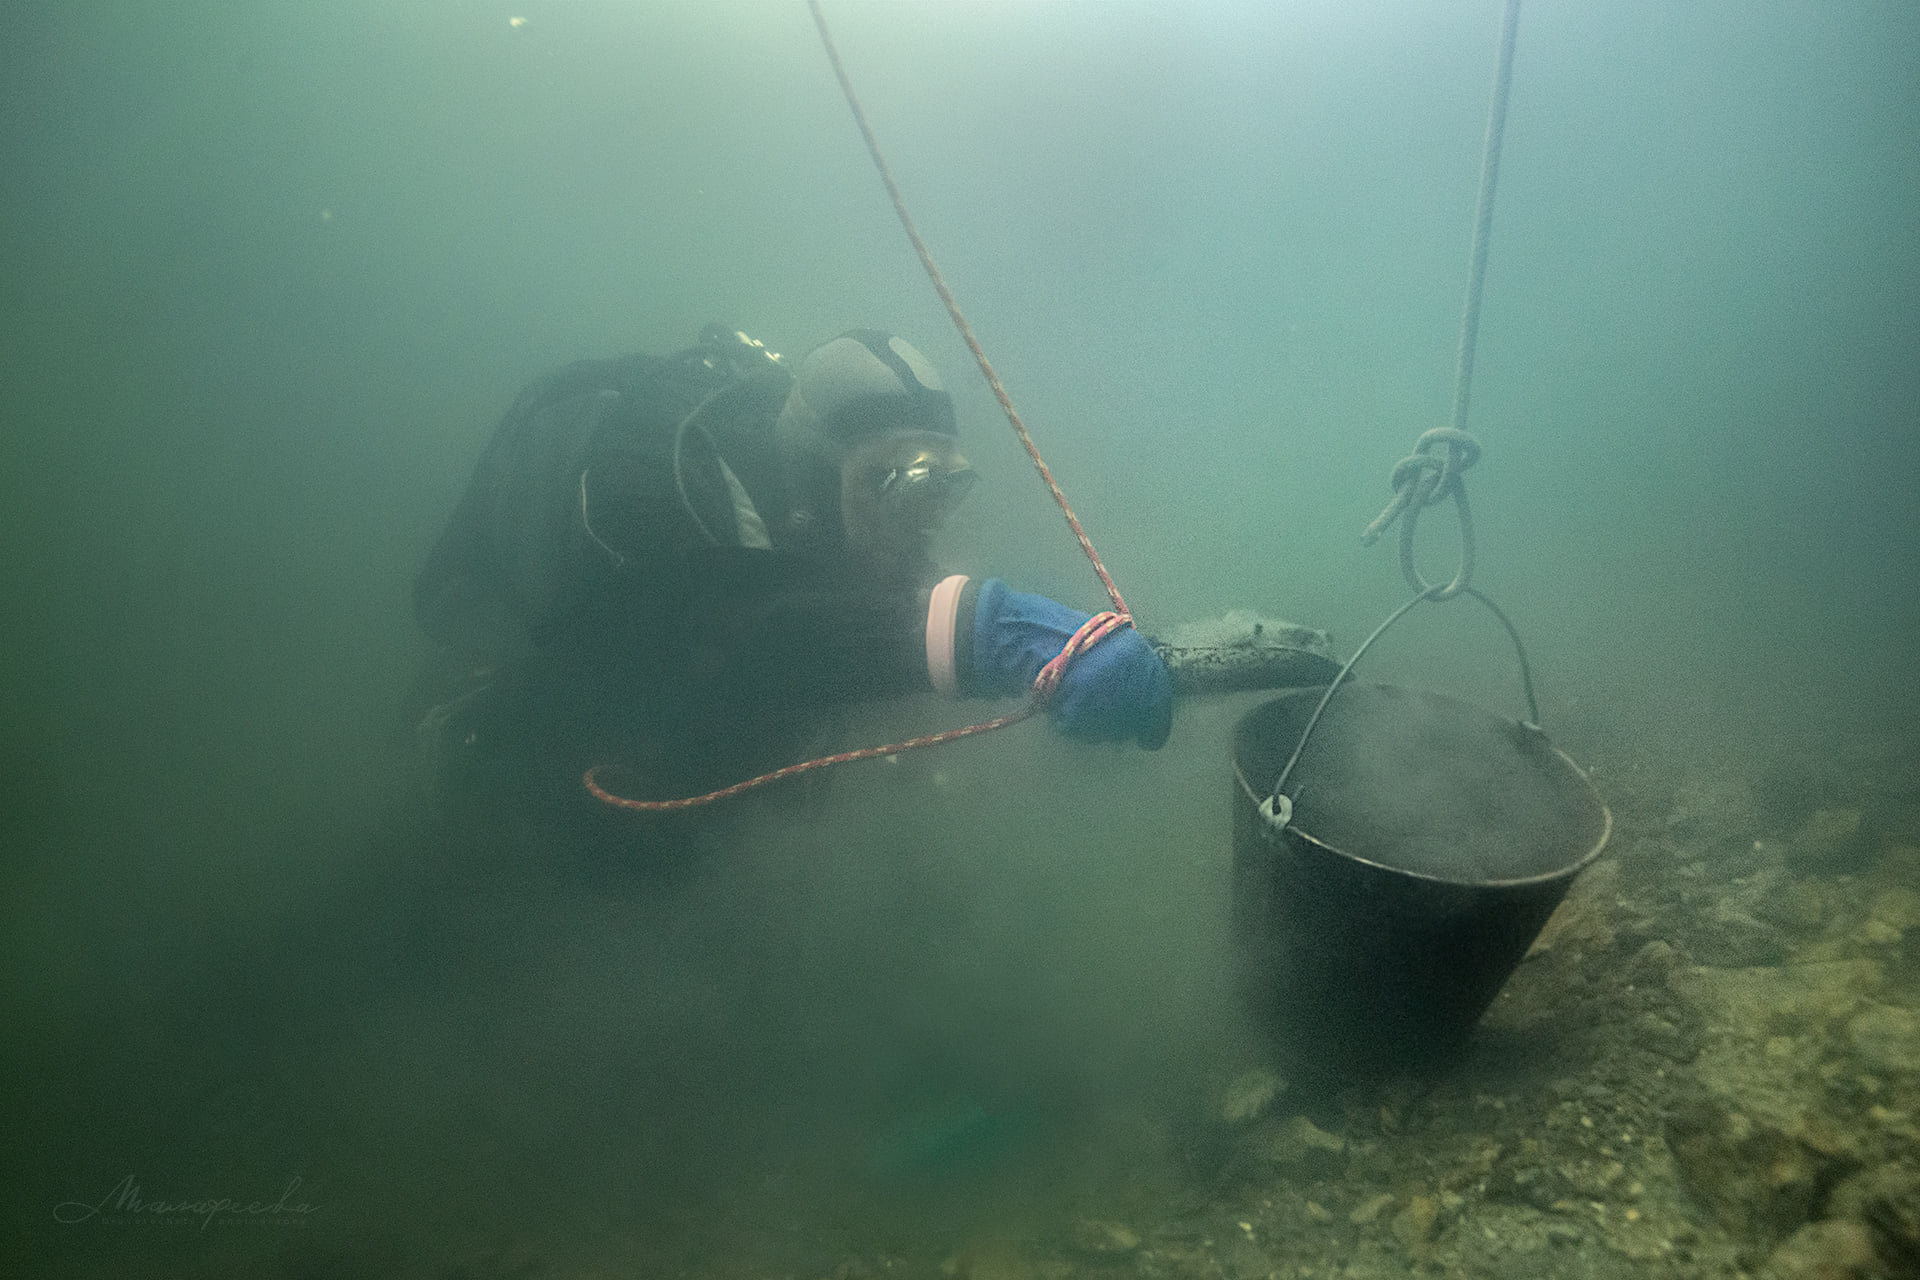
(1526,668)
(1437,591)
(1313,721)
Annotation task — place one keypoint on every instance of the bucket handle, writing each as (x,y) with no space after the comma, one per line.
(1276,810)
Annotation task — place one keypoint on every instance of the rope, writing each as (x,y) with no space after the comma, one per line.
(953,310)
(1095,629)
(1483,217)
(1091,632)
(1424,478)
(794,770)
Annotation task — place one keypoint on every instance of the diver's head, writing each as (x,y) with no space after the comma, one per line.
(867,440)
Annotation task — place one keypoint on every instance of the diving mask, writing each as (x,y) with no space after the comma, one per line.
(903,484)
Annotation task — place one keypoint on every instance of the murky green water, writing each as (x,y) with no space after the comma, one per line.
(270,275)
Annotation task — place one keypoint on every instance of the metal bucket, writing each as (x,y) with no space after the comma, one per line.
(1428,843)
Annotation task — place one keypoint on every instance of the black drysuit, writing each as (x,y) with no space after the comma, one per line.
(631,567)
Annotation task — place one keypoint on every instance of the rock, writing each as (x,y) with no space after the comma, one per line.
(1564,1234)
(1731,937)
(1877,933)
(1658,1035)
(1768,1024)
(1577,923)
(1653,964)
(1249,1095)
(997,1261)
(1746,1000)
(1899,865)
(1102,1238)
(1241,1259)
(1800,907)
(1583,920)
(1838,1249)
(1367,1210)
(1759,1181)
(1413,1225)
(1887,1199)
(1886,1038)
(1301,1143)
(1830,842)
(1898,907)
(1704,805)
(1756,1145)
(1314,1138)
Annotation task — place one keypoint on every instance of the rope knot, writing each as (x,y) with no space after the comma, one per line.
(1091,632)
(1422,479)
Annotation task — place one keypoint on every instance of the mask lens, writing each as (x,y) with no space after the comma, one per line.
(908,481)
(926,489)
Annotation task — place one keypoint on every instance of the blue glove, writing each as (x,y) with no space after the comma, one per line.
(1115,690)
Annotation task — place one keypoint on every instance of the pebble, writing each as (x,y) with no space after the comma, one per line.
(1413,1225)
(1250,1094)
(1829,842)
(1878,933)
(1886,1037)
(1367,1210)
(1102,1237)
(1837,1249)
(1897,908)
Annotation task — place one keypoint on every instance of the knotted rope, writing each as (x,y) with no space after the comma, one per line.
(1424,479)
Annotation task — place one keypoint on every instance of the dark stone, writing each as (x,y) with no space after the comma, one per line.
(1887,1199)
(1830,842)
(1761,1183)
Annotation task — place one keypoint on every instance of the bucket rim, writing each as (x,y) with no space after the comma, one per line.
(1566,872)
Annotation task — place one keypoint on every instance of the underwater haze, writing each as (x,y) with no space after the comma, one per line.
(270,274)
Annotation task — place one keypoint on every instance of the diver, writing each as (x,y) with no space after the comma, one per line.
(680,565)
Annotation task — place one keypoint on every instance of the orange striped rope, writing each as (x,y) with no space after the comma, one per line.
(1091,632)
(953,310)
(1094,630)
